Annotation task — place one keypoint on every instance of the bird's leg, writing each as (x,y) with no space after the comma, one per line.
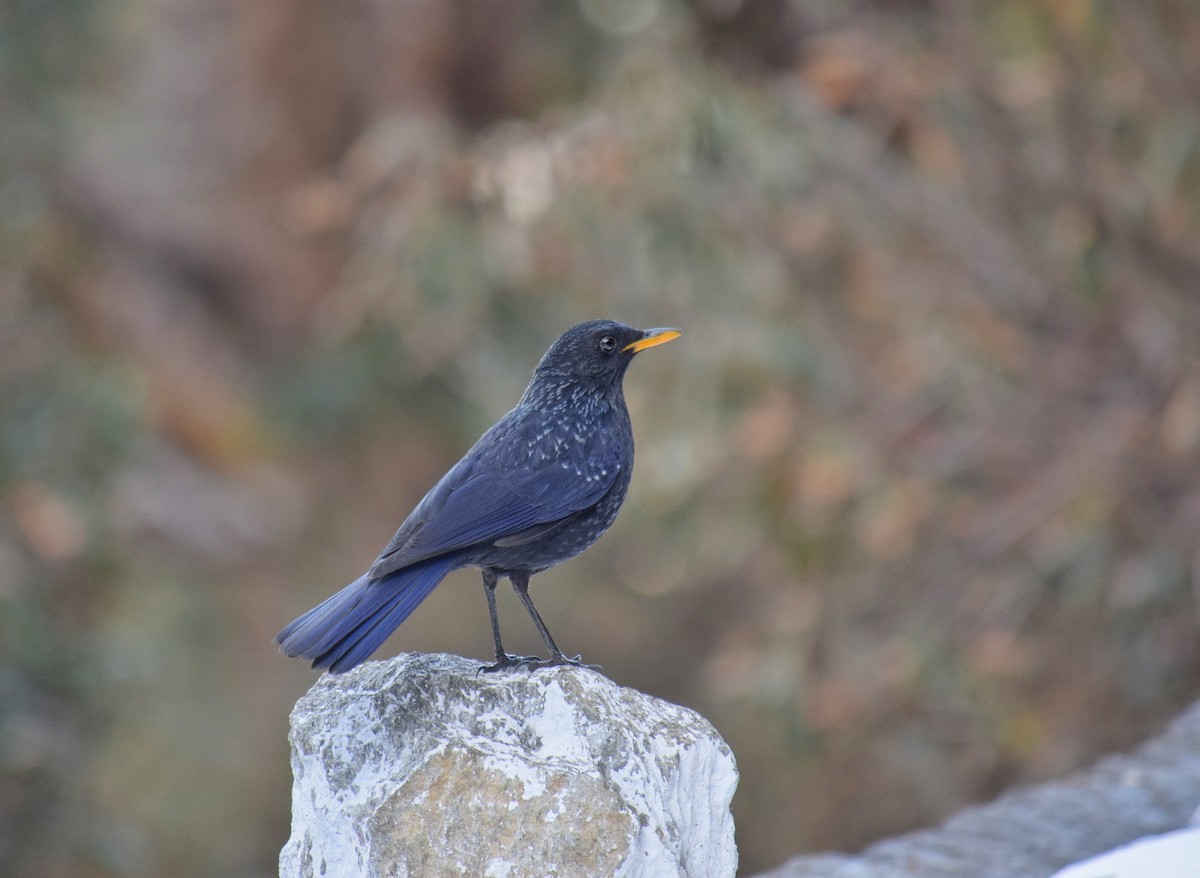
(503,659)
(490,577)
(520,584)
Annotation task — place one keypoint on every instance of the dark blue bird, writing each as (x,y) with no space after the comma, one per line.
(538,488)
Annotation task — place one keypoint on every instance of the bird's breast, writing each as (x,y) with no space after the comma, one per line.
(558,544)
(587,438)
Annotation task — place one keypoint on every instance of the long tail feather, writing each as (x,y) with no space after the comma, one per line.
(345,629)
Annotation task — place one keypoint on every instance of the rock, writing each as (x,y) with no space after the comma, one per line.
(1173,855)
(422,766)
(1037,830)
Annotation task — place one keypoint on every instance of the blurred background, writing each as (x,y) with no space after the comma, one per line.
(916,507)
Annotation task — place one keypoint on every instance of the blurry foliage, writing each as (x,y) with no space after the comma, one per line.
(43,48)
(916,507)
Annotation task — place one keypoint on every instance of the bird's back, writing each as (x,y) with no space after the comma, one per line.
(520,498)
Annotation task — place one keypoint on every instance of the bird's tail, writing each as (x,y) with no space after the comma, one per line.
(345,629)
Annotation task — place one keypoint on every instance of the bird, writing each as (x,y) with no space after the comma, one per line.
(539,487)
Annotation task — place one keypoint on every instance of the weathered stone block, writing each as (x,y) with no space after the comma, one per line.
(421,766)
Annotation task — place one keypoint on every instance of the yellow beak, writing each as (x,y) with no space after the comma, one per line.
(651,338)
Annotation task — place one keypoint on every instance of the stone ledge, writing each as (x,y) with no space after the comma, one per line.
(1033,832)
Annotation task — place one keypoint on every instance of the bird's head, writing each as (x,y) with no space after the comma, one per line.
(598,351)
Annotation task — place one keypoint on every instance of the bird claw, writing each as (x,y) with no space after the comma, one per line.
(561,660)
(533,662)
(511,661)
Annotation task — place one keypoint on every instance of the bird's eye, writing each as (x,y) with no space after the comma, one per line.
(607,343)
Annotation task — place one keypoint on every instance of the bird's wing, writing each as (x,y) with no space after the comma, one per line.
(475,503)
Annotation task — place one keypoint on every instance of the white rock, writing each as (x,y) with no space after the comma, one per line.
(421,766)
(1173,855)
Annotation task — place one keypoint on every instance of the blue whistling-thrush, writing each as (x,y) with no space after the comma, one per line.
(538,488)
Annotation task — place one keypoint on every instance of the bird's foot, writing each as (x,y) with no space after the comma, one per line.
(561,660)
(533,662)
(507,661)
